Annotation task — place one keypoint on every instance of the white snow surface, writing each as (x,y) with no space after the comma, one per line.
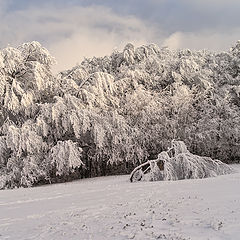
(108,208)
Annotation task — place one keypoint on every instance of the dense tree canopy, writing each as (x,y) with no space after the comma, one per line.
(109,114)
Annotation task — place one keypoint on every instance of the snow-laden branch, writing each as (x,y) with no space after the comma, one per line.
(178,163)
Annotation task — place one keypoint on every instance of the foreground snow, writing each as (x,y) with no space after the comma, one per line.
(112,208)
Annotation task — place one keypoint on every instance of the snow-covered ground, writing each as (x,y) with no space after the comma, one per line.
(113,208)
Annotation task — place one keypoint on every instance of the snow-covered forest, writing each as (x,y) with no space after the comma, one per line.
(107,115)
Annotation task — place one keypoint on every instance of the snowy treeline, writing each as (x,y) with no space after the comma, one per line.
(107,115)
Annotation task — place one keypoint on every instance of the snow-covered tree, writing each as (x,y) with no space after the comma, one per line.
(25,76)
(65,156)
(178,163)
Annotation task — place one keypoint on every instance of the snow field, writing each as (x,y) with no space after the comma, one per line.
(113,208)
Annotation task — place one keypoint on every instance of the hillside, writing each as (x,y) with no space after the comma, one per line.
(112,208)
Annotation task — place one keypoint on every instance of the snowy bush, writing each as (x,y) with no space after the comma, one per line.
(178,163)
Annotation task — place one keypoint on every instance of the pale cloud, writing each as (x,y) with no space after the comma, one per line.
(207,39)
(75,32)
(99,32)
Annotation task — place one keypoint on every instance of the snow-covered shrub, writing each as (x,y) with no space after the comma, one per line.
(33,171)
(178,163)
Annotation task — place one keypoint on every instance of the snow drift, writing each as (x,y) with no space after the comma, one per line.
(178,163)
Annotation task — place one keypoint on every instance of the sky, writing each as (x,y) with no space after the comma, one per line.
(74,29)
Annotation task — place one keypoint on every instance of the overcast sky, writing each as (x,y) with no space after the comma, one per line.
(73,29)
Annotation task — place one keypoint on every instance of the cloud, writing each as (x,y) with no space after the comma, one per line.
(99,30)
(75,29)
(181,15)
(75,32)
(207,39)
